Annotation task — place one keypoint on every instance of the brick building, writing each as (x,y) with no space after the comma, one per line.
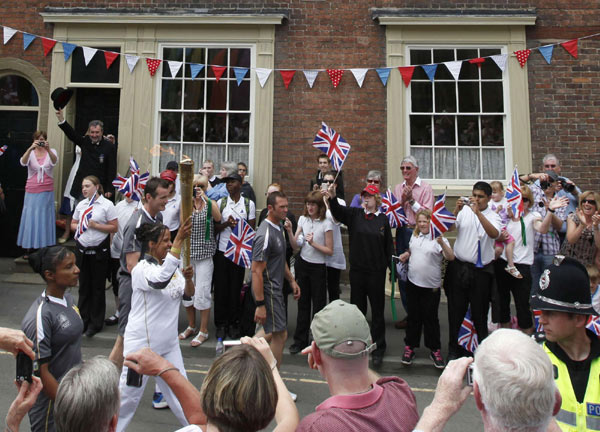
(476,127)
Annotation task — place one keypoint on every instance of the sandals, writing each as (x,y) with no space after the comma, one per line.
(196,342)
(513,272)
(187,333)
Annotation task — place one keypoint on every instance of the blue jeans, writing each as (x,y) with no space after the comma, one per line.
(540,263)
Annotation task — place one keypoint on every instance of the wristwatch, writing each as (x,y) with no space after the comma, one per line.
(260,303)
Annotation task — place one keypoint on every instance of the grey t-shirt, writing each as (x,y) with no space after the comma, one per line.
(130,243)
(269,245)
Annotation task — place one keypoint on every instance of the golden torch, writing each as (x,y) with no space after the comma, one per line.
(186,173)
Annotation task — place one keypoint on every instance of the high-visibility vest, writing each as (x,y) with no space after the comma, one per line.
(574,416)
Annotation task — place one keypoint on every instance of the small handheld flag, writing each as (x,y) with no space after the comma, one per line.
(441,218)
(536,321)
(467,335)
(393,210)
(3,149)
(593,324)
(513,195)
(85,218)
(239,246)
(132,187)
(333,145)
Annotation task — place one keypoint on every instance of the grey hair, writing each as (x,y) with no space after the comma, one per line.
(96,123)
(518,391)
(88,397)
(230,166)
(373,174)
(550,156)
(410,159)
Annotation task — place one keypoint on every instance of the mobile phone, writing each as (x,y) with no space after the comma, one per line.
(24,367)
(134,379)
(470,375)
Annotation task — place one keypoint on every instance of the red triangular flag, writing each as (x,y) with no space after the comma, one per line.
(287,76)
(48,44)
(218,71)
(478,61)
(407,73)
(522,56)
(153,64)
(110,57)
(335,75)
(571,47)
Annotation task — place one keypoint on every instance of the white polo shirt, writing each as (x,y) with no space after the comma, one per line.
(171,213)
(470,230)
(318,228)
(103,212)
(425,263)
(235,210)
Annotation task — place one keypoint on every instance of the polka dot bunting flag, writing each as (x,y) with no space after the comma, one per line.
(153,64)
(522,56)
(335,75)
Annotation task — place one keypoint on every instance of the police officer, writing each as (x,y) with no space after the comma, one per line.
(563,296)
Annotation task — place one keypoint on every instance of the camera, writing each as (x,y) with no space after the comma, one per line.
(470,375)
(24,367)
(466,200)
(41,143)
(134,379)
(544,185)
(568,187)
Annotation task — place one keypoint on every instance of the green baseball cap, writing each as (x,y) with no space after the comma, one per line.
(338,323)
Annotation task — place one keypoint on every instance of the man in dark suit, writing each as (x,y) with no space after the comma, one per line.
(98,155)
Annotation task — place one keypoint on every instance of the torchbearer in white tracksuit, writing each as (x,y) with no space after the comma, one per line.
(158,286)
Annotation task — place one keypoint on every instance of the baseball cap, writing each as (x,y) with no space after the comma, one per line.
(168,175)
(371,189)
(340,322)
(233,176)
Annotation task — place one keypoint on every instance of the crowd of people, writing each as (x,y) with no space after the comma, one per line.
(535,256)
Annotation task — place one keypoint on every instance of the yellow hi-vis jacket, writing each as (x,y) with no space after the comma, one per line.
(574,416)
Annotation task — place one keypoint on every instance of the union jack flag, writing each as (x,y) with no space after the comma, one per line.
(3,149)
(593,324)
(393,210)
(441,218)
(86,216)
(239,246)
(513,195)
(536,321)
(132,187)
(333,145)
(467,335)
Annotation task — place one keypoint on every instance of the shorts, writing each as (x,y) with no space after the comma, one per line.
(276,312)
(125,291)
(510,239)
(203,272)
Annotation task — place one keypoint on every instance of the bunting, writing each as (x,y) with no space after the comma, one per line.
(335,75)
(311,76)
(174,67)
(522,56)
(263,75)
(131,61)
(454,68)
(500,60)
(240,74)
(546,52)
(359,75)
(287,76)
(153,65)
(27,39)
(68,49)
(110,57)
(571,47)
(218,71)
(8,34)
(47,45)
(384,74)
(430,70)
(195,69)
(88,54)
(478,61)
(407,73)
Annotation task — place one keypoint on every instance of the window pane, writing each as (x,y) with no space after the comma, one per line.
(440,56)
(168,153)
(171,94)
(194,55)
(443,131)
(194,152)
(95,71)
(420,130)
(239,97)
(423,155)
(468,96)
(17,91)
(468,127)
(239,128)
(445,97)
(170,126)
(468,70)
(468,164)
(216,95)
(193,127)
(239,154)
(493,164)
(419,57)
(193,99)
(216,57)
(215,127)
(489,69)
(445,163)
(492,97)
(239,57)
(175,54)
(492,131)
(215,153)
(421,95)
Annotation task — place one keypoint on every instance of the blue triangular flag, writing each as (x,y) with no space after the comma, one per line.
(195,69)
(27,39)
(68,49)
(240,74)
(430,70)
(384,74)
(546,51)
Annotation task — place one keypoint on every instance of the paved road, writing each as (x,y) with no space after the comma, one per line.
(308,384)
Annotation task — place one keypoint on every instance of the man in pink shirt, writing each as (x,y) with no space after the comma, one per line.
(360,400)
(414,194)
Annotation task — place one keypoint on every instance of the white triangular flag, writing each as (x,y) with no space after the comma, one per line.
(359,74)
(8,33)
(454,68)
(131,61)
(311,76)
(174,66)
(88,53)
(500,60)
(263,75)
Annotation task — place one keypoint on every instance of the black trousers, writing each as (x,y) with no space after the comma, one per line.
(423,304)
(227,282)
(115,267)
(333,283)
(313,292)
(370,285)
(92,283)
(520,290)
(468,286)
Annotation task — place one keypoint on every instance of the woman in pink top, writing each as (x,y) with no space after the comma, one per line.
(37,227)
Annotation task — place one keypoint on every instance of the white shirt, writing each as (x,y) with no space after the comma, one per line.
(425,263)
(523,254)
(596,299)
(103,212)
(235,210)
(154,312)
(338,259)
(171,213)
(124,211)
(470,231)
(318,228)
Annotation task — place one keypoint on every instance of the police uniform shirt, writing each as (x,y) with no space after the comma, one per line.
(103,212)
(235,210)
(470,231)
(130,243)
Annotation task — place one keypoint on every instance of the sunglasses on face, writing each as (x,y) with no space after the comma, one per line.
(588,201)
(328,181)
(373,181)
(406,168)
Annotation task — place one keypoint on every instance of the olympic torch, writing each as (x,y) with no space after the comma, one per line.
(186,172)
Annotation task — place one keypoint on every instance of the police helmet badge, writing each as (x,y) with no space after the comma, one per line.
(545,279)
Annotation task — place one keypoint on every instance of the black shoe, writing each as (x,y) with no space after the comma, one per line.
(377,359)
(111,320)
(91,332)
(221,332)
(295,348)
